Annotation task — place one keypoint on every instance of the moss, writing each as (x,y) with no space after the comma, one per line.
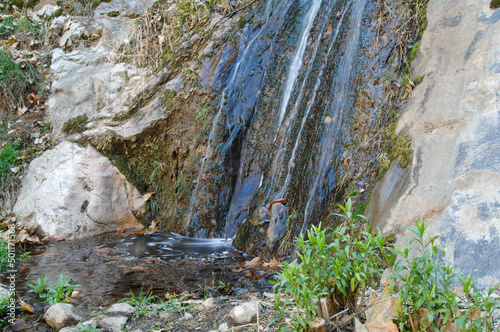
(495,4)
(413,52)
(401,147)
(417,80)
(113,13)
(23,3)
(75,125)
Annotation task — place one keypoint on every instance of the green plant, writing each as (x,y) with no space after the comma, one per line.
(140,302)
(55,293)
(495,4)
(202,113)
(8,158)
(426,299)
(173,304)
(338,267)
(16,77)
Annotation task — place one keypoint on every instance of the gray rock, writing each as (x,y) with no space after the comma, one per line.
(88,195)
(277,226)
(245,312)
(453,118)
(61,315)
(121,308)
(114,324)
(4,292)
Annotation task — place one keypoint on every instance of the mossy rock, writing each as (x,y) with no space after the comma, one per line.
(76,125)
(495,4)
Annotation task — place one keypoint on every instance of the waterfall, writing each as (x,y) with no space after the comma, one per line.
(336,106)
(296,64)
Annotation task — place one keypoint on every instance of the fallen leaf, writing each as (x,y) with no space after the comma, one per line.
(147,196)
(346,162)
(21,110)
(25,306)
(253,263)
(272,263)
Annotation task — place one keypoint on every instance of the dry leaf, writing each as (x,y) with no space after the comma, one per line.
(21,110)
(25,306)
(272,263)
(154,225)
(253,263)
(147,196)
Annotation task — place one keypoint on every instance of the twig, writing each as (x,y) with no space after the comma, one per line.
(242,326)
(258,325)
(339,313)
(350,317)
(237,10)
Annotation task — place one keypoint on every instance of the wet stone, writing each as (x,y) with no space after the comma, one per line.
(61,315)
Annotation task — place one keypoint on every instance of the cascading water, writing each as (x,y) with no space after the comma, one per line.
(296,64)
(276,134)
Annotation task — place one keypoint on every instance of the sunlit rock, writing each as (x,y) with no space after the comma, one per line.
(72,191)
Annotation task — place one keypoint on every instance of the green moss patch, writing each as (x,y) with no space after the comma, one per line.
(495,4)
(76,125)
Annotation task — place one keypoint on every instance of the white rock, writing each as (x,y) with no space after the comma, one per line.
(114,324)
(209,303)
(61,315)
(223,327)
(244,312)
(121,308)
(72,191)
(46,12)
(187,316)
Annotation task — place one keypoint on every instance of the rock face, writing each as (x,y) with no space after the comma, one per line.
(72,191)
(453,119)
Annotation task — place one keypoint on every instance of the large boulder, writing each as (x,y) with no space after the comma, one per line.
(453,119)
(74,191)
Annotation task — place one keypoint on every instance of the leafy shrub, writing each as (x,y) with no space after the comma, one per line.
(338,267)
(495,4)
(55,293)
(426,299)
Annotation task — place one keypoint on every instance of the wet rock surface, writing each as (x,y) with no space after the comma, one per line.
(453,119)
